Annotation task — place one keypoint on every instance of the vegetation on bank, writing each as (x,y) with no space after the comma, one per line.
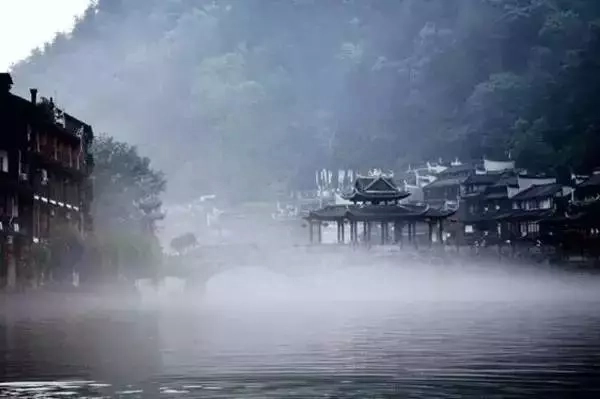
(246,98)
(260,92)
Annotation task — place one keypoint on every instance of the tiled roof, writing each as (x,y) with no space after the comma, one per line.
(594,180)
(464,168)
(524,215)
(379,183)
(509,180)
(377,212)
(488,178)
(538,191)
(375,189)
(453,181)
(496,195)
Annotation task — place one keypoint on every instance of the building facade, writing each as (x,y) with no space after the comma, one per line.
(45,185)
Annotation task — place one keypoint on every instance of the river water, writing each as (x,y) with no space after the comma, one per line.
(539,340)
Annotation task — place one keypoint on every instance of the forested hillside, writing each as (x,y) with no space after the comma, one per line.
(244,96)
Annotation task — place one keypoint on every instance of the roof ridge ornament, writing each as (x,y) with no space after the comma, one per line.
(379,173)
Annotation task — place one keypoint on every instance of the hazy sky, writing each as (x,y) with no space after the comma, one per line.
(27,24)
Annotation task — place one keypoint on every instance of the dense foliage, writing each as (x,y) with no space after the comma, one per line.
(237,96)
(126,207)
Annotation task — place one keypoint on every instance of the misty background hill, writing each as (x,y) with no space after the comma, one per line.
(246,98)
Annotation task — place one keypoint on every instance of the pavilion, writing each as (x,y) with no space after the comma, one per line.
(375,201)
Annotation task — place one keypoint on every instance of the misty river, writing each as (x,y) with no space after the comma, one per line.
(509,345)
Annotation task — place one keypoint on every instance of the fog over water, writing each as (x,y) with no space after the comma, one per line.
(343,325)
(238,102)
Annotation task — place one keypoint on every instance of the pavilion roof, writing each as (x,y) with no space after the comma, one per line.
(377,213)
(375,188)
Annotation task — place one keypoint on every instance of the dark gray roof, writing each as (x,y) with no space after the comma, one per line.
(496,195)
(380,183)
(456,169)
(594,180)
(377,212)
(483,179)
(375,189)
(538,191)
(507,180)
(447,182)
(525,215)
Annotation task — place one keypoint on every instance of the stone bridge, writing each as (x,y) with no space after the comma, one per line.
(200,264)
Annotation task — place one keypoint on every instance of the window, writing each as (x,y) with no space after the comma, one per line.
(55,149)
(3,161)
(546,204)
(533,228)
(75,157)
(44,177)
(530,228)
(469,229)
(22,167)
(43,143)
(36,219)
(14,207)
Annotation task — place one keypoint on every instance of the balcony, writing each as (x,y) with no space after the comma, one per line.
(60,162)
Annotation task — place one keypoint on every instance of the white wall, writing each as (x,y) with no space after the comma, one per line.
(498,166)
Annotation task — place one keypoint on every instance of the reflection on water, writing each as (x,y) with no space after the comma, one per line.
(339,349)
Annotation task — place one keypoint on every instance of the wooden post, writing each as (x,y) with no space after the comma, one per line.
(369,232)
(396,232)
(343,230)
(11,275)
(319,233)
(414,231)
(351,232)
(401,234)
(409,232)
(440,231)
(387,232)
(430,227)
(310,231)
(382,233)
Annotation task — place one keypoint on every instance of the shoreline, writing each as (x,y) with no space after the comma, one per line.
(315,256)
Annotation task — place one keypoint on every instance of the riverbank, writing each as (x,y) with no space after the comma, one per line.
(293,261)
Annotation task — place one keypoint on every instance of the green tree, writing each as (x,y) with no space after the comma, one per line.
(250,94)
(126,209)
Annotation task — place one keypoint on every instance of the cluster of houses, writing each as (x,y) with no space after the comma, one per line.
(484,203)
(497,203)
(45,185)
